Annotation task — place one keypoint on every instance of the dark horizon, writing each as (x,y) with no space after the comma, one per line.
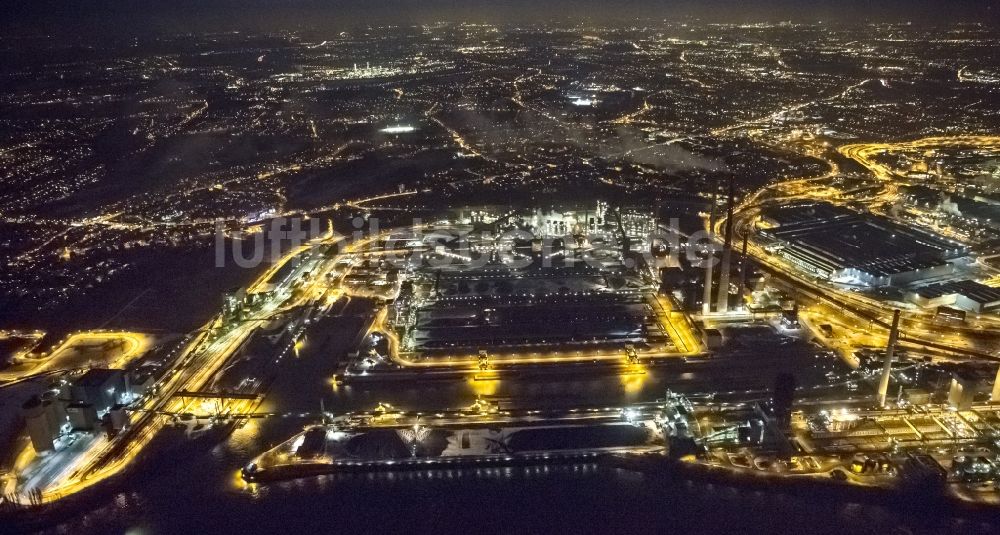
(127,16)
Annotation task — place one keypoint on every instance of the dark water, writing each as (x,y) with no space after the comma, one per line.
(184,492)
(190,487)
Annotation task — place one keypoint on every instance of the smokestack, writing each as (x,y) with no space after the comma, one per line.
(727,255)
(706,302)
(657,210)
(883,384)
(743,271)
(995,397)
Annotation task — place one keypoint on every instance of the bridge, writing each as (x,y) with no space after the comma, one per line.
(215,403)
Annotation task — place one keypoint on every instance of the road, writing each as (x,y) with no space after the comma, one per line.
(977,340)
(76,352)
(207,350)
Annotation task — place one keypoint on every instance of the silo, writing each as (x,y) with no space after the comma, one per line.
(37,422)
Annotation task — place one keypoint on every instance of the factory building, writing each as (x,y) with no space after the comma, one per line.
(838,244)
(637,223)
(971,211)
(560,222)
(965,295)
(44,416)
(116,419)
(39,424)
(963,389)
(82,416)
(100,387)
(142,379)
(563,219)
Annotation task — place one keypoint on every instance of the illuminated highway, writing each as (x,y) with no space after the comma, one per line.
(205,354)
(848,308)
(78,350)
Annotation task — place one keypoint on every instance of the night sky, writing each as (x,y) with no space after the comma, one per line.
(133,15)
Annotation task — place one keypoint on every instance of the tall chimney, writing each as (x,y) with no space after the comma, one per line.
(883,384)
(706,302)
(743,271)
(727,255)
(995,397)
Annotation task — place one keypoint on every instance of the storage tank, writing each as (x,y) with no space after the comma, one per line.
(82,416)
(37,422)
(55,410)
